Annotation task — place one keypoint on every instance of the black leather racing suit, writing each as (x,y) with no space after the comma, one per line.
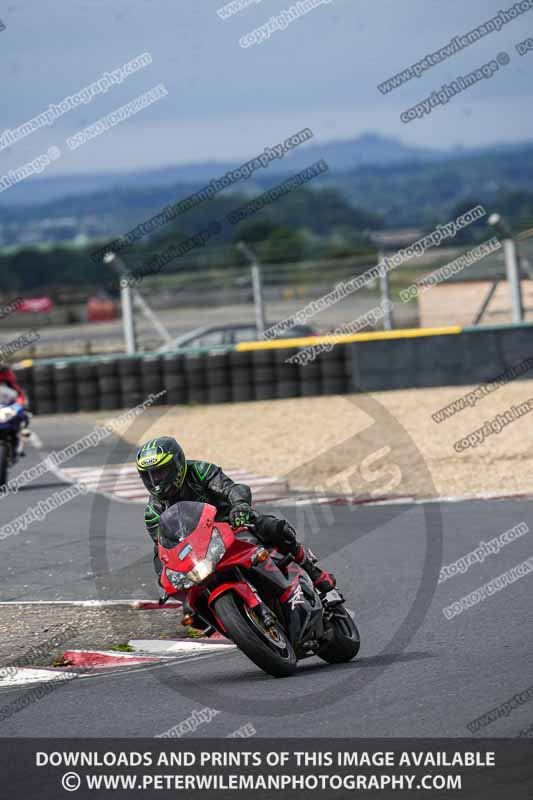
(206,483)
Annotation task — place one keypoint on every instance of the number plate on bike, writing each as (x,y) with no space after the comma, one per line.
(333,597)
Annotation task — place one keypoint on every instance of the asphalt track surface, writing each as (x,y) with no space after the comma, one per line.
(417,674)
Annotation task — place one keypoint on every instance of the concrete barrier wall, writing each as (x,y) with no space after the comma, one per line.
(472,356)
(367,362)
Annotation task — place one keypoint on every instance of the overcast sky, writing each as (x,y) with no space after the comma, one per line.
(225,101)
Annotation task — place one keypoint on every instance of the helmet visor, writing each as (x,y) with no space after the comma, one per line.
(159,479)
(160,474)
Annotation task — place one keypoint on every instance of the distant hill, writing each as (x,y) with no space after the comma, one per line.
(367,150)
(414,192)
(421,194)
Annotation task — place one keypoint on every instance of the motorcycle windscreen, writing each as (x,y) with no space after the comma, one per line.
(178,522)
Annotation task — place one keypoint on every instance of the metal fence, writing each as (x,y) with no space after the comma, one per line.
(215,288)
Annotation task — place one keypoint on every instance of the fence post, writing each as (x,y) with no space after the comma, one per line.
(257,287)
(127,316)
(384,284)
(511,264)
(513,276)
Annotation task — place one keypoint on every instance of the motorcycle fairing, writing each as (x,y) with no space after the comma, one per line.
(185,533)
(302,608)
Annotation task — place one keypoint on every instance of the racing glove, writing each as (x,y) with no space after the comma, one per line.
(240,515)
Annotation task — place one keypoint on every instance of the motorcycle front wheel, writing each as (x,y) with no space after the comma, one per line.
(269,648)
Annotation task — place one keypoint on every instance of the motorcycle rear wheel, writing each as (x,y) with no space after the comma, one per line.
(269,648)
(346,640)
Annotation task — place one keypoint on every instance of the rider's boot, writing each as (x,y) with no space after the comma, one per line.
(323,581)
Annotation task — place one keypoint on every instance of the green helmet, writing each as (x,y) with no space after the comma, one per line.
(162,466)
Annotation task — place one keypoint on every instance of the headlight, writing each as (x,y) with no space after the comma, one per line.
(216,548)
(215,551)
(178,579)
(200,572)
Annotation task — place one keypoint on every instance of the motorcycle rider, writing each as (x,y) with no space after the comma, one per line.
(169,478)
(14,394)
(7,378)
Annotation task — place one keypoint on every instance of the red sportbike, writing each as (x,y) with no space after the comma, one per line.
(261,600)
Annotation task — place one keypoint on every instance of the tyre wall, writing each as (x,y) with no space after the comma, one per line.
(267,371)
